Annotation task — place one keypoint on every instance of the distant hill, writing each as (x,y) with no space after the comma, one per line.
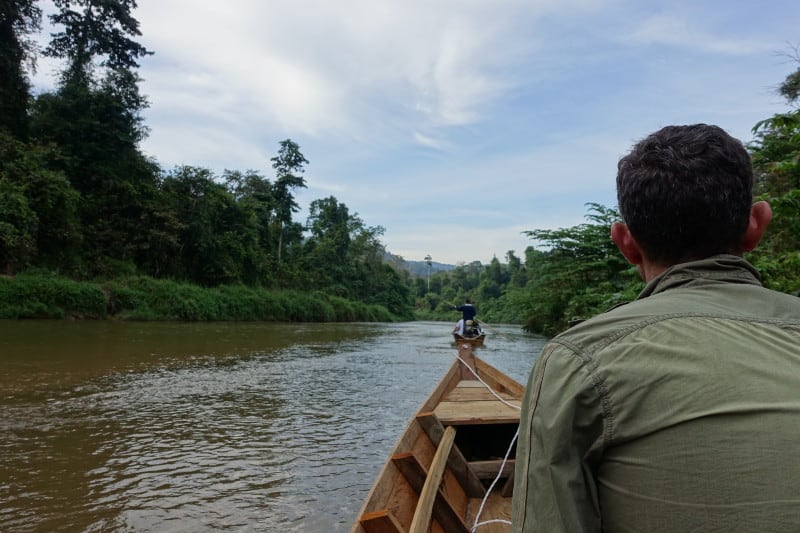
(418,268)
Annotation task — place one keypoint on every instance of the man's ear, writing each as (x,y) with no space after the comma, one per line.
(622,237)
(760,216)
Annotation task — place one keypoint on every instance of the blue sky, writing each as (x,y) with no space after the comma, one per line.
(454,124)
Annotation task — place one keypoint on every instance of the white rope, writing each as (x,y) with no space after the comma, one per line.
(491,488)
(487,522)
(517,407)
(505,458)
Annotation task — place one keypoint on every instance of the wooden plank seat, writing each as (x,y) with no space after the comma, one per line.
(489,469)
(471,403)
(473,391)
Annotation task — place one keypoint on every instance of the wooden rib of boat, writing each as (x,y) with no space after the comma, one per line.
(474,341)
(459,444)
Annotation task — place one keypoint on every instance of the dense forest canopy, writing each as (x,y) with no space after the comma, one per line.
(79,200)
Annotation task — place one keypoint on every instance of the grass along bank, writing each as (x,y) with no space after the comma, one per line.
(46,295)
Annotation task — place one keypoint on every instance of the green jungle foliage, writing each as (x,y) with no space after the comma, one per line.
(579,274)
(40,294)
(92,228)
(79,199)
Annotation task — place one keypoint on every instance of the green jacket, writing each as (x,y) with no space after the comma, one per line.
(679,411)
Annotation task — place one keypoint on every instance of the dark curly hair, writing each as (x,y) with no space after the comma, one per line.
(685,193)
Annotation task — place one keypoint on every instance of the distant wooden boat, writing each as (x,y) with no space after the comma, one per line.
(474,341)
(459,444)
(473,334)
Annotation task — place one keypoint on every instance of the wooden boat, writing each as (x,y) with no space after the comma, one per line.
(474,341)
(473,334)
(453,465)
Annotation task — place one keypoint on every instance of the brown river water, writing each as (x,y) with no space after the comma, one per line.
(130,426)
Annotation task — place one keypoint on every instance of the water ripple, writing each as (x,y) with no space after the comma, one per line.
(281,439)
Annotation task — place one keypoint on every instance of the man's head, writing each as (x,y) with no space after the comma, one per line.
(685,192)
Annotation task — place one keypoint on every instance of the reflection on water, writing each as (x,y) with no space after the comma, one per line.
(206,427)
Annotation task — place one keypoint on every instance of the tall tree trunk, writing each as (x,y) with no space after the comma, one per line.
(280,240)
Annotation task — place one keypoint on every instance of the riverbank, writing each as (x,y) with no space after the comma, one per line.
(45,295)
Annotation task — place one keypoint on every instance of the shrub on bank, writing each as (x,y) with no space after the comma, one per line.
(46,295)
(378,313)
(343,309)
(42,295)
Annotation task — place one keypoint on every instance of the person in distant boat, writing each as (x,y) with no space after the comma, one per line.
(679,411)
(468,313)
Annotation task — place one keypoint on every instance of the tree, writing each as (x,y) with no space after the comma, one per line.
(288,165)
(102,111)
(18,18)
(96,123)
(253,192)
(18,227)
(25,169)
(328,246)
(516,270)
(580,273)
(218,238)
(95,120)
(429,262)
(345,257)
(494,279)
(97,29)
(775,149)
(98,139)
(775,152)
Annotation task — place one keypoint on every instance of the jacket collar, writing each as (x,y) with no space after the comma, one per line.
(720,268)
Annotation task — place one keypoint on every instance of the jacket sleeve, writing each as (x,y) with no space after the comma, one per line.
(561,439)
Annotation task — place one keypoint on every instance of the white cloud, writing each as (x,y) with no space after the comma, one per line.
(688,31)
(426,116)
(426,140)
(323,68)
